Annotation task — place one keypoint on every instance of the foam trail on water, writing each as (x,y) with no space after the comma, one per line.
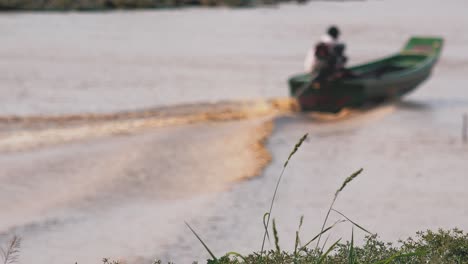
(33,131)
(120,188)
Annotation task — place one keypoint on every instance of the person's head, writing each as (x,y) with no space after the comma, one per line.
(334,32)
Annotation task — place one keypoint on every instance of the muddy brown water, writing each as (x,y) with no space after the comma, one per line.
(79,182)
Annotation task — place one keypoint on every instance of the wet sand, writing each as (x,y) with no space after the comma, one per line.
(80,182)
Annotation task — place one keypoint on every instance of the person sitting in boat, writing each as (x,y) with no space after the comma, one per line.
(312,62)
(338,62)
(325,62)
(322,58)
(339,59)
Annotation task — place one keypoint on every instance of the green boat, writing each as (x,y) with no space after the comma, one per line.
(377,81)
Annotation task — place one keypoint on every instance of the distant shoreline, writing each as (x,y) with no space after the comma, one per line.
(108,5)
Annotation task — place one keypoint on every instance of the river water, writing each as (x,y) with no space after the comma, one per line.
(117,127)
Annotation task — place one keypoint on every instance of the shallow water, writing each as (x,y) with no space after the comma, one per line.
(80,182)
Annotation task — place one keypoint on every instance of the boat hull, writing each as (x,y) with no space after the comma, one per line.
(384,79)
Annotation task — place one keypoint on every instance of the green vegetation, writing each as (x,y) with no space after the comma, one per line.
(447,247)
(62,5)
(429,247)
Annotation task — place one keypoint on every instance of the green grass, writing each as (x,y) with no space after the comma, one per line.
(443,246)
(440,247)
(428,247)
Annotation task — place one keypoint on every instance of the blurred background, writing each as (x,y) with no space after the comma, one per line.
(120,120)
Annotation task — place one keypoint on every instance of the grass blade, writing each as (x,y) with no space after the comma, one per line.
(399,255)
(351,254)
(318,235)
(354,223)
(10,255)
(300,222)
(322,258)
(296,243)
(296,147)
(275,235)
(298,240)
(232,253)
(265,225)
(201,241)
(325,243)
(346,182)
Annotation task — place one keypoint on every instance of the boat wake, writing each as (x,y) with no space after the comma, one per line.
(24,132)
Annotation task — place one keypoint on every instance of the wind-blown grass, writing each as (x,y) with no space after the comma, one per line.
(450,246)
(346,182)
(429,247)
(268,215)
(10,254)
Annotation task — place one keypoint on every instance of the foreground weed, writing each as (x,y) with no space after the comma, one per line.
(11,253)
(275,235)
(443,247)
(268,215)
(203,243)
(346,182)
(298,240)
